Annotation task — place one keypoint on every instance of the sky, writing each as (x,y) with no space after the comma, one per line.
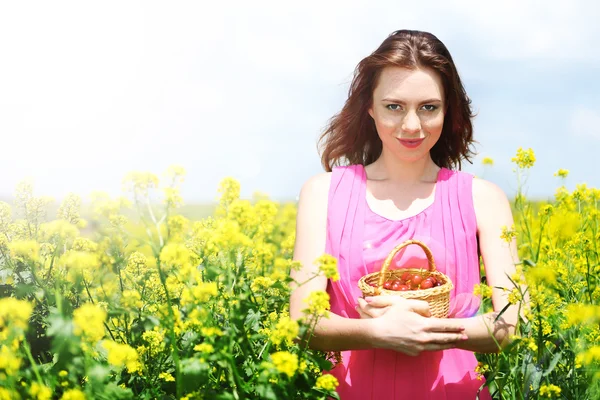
(92,90)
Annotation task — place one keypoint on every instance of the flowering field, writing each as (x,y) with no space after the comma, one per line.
(149,304)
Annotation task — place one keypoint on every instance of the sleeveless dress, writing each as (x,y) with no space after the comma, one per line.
(361,239)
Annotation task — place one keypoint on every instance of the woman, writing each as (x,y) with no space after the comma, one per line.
(404,128)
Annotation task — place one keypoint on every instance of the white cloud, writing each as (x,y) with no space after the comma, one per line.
(585,122)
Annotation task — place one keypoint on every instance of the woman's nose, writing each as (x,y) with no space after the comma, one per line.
(411,123)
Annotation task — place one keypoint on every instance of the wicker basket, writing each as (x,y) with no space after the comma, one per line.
(438,297)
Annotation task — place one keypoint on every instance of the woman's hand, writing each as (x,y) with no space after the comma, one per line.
(405,325)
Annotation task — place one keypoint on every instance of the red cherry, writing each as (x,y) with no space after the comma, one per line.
(416,279)
(427,284)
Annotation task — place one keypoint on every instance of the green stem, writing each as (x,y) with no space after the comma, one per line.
(33,363)
(174,350)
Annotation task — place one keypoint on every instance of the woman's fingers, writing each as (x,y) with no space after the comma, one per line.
(419,306)
(365,308)
(382,301)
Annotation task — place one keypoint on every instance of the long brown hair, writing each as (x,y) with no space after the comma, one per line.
(351,136)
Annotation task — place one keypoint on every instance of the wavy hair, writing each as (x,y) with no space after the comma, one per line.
(350,136)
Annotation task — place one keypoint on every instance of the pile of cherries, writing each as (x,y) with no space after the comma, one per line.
(411,281)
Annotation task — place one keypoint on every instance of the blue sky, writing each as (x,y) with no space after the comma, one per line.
(90,91)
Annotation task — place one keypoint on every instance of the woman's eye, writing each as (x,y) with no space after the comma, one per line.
(429,107)
(393,107)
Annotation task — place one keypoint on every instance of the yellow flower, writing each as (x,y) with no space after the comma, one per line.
(131,299)
(547,209)
(167,377)
(14,313)
(177,224)
(176,173)
(79,263)
(524,158)
(58,229)
(178,255)
(172,197)
(140,182)
(230,191)
(318,303)
(549,391)
(508,234)
(155,340)
(483,290)
(9,361)
(73,394)
(204,348)
(122,355)
(5,216)
(542,275)
(514,296)
(487,161)
(328,267)
(286,330)
(582,313)
(6,394)
(40,392)
(24,250)
(260,283)
(84,244)
(200,293)
(481,369)
(69,209)
(285,362)
(89,321)
(327,382)
(589,356)
(562,173)
(211,331)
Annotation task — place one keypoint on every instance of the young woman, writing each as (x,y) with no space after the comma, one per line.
(392,157)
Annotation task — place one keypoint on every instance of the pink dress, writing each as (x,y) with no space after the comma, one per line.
(361,239)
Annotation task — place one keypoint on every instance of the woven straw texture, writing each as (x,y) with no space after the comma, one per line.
(438,297)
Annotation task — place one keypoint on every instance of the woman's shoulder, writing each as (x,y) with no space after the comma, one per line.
(484,190)
(321,182)
(316,184)
(488,199)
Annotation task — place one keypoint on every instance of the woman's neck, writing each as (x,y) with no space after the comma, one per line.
(389,168)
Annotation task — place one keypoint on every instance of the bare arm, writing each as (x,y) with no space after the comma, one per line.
(336,332)
(493,213)
(402,329)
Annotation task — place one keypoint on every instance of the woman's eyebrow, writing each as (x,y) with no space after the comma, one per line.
(432,100)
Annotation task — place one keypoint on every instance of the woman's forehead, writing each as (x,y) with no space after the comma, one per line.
(408,84)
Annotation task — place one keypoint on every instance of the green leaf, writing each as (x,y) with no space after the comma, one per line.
(114,392)
(193,372)
(65,344)
(266,392)
(529,263)
(252,321)
(553,363)
(98,374)
(226,396)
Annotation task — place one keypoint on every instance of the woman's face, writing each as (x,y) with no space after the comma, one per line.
(408,110)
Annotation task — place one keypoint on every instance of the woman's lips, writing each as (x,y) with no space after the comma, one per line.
(411,143)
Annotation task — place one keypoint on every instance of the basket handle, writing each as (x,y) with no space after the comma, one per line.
(395,250)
